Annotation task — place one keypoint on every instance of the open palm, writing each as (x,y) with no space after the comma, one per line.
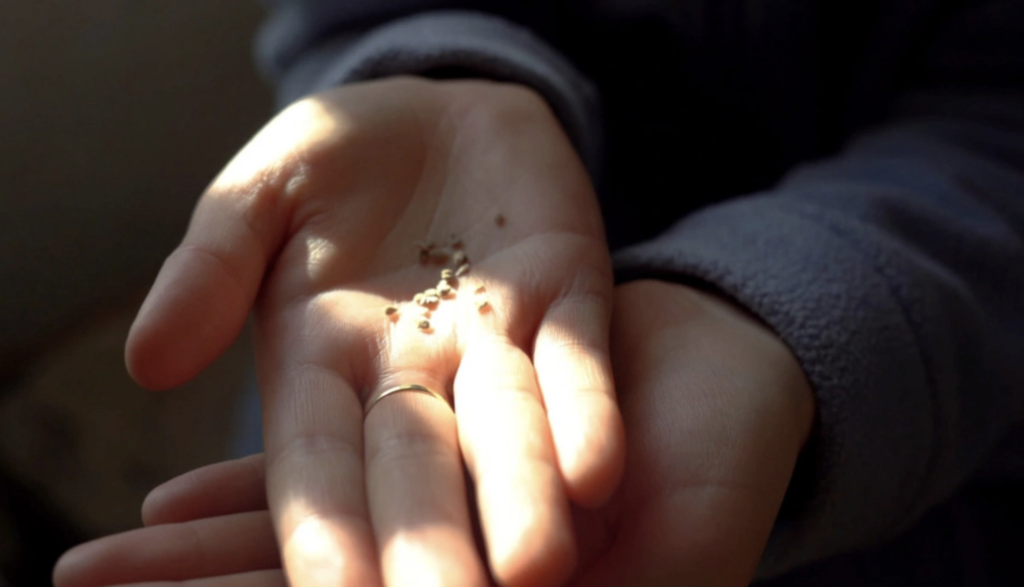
(717,410)
(315,225)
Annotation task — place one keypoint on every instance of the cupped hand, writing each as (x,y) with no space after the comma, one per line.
(315,226)
(716,409)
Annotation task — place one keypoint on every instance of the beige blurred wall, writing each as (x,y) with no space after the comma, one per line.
(114,114)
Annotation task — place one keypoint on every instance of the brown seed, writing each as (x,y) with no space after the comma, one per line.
(447,274)
(423,325)
(459,258)
(462,270)
(390,310)
(454,241)
(439,256)
(499,219)
(443,289)
(480,289)
(431,300)
(419,299)
(424,248)
(482,304)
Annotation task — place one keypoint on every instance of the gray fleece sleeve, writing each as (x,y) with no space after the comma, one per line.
(301,57)
(895,273)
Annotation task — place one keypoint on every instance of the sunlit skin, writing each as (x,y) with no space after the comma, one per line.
(716,410)
(312,228)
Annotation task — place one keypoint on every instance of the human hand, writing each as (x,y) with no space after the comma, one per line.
(716,408)
(315,221)
(210,527)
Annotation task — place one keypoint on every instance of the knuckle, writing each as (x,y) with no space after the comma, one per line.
(312,446)
(406,445)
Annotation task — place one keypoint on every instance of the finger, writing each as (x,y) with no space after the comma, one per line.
(575,377)
(315,482)
(273,578)
(205,289)
(417,488)
(173,552)
(507,445)
(221,489)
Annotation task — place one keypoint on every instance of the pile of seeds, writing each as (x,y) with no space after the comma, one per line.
(457,266)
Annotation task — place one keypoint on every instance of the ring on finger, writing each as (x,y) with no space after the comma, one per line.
(393,390)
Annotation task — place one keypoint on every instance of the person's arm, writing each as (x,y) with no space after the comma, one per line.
(308,47)
(895,272)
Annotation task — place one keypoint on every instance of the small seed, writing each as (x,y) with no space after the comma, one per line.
(424,247)
(439,256)
(430,292)
(499,219)
(459,258)
(482,304)
(447,274)
(480,289)
(390,310)
(462,270)
(424,324)
(431,300)
(419,299)
(443,289)
(454,241)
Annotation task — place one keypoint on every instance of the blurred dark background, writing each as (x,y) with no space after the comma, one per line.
(114,115)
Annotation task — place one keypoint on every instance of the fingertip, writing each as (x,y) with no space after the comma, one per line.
(220,489)
(193,313)
(536,563)
(157,362)
(74,567)
(59,576)
(155,510)
(142,358)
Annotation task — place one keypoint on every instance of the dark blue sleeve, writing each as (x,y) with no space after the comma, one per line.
(895,272)
(307,46)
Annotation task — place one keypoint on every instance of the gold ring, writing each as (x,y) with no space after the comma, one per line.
(411,387)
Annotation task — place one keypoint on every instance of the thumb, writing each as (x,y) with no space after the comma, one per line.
(206,287)
(200,300)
